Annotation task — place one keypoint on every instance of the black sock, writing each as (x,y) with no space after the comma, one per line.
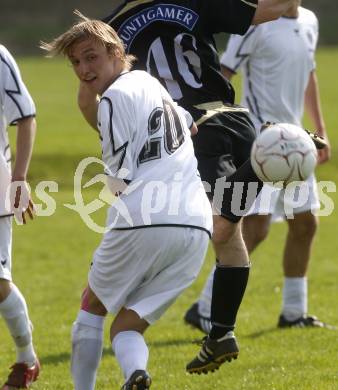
(227,294)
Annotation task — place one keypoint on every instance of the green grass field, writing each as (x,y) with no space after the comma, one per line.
(52,255)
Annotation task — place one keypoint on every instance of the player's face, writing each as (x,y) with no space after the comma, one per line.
(93,65)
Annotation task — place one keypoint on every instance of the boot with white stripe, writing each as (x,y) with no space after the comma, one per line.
(214,353)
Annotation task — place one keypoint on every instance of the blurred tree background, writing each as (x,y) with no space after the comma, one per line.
(24,23)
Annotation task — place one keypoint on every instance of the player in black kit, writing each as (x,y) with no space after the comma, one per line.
(173,40)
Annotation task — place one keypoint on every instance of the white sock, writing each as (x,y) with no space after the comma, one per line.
(14,310)
(294,298)
(131,352)
(87,344)
(204,302)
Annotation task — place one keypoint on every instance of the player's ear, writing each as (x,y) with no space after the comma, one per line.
(111,52)
(115,52)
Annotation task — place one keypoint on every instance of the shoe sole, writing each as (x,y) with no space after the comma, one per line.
(325,326)
(28,384)
(214,365)
(7,387)
(14,388)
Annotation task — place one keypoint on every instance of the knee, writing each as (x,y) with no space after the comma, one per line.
(5,289)
(255,230)
(304,227)
(224,230)
(91,303)
(260,234)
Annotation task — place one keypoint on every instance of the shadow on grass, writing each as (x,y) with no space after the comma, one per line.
(62,357)
(262,332)
(275,329)
(173,343)
(65,357)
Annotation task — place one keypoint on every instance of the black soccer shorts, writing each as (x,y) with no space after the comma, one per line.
(222,148)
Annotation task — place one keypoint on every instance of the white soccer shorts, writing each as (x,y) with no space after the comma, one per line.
(5,180)
(281,203)
(146,269)
(5,247)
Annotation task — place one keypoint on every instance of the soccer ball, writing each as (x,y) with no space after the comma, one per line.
(283,153)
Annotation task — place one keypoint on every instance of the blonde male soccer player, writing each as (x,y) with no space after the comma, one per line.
(16,108)
(161,223)
(174,41)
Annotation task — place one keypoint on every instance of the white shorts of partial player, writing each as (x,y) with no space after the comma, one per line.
(5,247)
(284,203)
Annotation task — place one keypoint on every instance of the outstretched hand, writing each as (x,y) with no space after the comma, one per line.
(193,129)
(20,200)
(324,154)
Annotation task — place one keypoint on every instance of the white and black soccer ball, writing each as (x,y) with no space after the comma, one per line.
(283,153)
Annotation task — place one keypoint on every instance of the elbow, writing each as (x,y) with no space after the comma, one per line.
(267,16)
(267,12)
(277,12)
(227,72)
(84,106)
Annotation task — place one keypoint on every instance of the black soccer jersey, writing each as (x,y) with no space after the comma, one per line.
(174,42)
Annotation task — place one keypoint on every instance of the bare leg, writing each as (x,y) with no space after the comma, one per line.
(229,284)
(127,320)
(5,289)
(296,259)
(228,243)
(297,252)
(230,251)
(255,230)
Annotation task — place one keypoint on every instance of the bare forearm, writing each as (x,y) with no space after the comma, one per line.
(24,147)
(312,104)
(88,104)
(90,114)
(271,9)
(227,73)
(313,108)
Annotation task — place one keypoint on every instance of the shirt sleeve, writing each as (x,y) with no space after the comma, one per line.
(17,102)
(116,120)
(239,49)
(230,16)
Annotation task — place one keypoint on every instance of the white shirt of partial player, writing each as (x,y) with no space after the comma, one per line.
(276,59)
(165,188)
(15,103)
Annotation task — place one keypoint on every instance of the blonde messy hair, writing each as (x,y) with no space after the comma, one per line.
(88,28)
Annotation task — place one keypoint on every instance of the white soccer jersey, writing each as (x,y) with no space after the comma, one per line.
(146,141)
(15,103)
(271,49)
